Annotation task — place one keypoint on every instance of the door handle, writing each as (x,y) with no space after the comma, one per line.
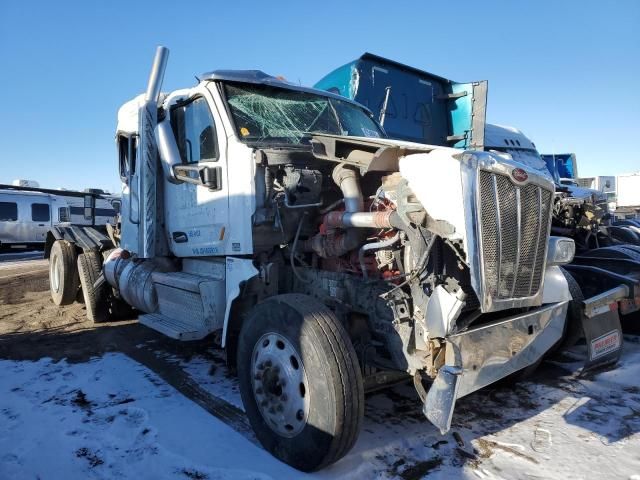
(41,224)
(180,237)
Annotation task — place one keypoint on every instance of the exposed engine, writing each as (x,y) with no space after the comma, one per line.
(584,218)
(334,230)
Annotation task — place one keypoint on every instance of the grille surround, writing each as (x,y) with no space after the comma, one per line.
(513,227)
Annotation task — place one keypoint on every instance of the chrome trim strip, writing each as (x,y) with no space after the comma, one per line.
(496,197)
(535,252)
(516,266)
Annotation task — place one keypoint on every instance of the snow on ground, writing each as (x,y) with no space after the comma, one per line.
(114,418)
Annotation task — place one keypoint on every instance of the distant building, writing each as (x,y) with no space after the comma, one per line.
(628,196)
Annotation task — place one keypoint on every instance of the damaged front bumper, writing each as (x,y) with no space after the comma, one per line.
(483,355)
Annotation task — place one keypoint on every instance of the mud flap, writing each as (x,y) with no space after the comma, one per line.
(441,398)
(600,323)
(603,335)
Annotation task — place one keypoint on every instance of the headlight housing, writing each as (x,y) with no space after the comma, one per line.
(561,251)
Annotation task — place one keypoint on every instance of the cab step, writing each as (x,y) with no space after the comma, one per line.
(172,327)
(190,306)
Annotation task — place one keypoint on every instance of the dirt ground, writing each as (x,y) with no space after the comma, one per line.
(33,328)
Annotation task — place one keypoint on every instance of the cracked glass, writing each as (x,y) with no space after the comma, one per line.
(265,114)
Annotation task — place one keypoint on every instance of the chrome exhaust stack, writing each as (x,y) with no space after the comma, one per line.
(148,119)
(157,74)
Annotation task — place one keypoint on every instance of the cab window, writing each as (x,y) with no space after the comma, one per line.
(40,212)
(195,131)
(8,211)
(127,146)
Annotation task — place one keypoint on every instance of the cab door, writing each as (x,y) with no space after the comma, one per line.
(197,206)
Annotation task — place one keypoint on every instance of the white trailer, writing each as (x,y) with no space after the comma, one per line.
(27,216)
(628,190)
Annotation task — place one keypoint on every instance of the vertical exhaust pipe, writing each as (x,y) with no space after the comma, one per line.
(148,119)
(157,74)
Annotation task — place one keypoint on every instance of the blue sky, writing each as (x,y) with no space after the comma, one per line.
(565,72)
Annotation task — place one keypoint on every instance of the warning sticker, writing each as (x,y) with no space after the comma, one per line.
(607,343)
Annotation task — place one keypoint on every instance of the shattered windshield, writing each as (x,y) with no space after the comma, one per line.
(264,114)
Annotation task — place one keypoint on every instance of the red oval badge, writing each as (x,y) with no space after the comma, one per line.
(519,175)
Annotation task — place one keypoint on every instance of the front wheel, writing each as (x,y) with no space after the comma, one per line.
(300,381)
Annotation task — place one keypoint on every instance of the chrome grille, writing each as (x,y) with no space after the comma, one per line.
(514,230)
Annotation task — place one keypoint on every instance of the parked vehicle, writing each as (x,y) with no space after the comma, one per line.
(608,251)
(446,105)
(26,217)
(105,209)
(628,200)
(91,207)
(325,257)
(565,167)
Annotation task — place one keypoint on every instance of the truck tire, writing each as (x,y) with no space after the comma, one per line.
(63,273)
(633,248)
(625,235)
(95,299)
(619,251)
(300,381)
(573,332)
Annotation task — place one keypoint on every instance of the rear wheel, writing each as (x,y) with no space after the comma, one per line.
(300,381)
(95,296)
(63,273)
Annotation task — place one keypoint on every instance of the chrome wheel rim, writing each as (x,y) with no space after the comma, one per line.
(279,384)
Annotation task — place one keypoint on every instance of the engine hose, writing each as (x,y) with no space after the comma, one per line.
(268,184)
(293,252)
(374,246)
(419,268)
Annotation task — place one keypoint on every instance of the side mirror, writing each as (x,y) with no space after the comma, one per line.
(167,149)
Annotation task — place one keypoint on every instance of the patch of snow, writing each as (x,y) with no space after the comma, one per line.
(114,418)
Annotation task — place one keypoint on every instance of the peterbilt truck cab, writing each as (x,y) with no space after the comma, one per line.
(325,257)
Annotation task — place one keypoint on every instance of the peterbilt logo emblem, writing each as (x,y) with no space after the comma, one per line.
(519,174)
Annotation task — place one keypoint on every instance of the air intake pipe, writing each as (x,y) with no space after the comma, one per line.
(335,243)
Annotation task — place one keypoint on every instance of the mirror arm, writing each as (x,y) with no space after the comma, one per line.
(210,177)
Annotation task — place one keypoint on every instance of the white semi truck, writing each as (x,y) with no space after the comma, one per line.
(324,257)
